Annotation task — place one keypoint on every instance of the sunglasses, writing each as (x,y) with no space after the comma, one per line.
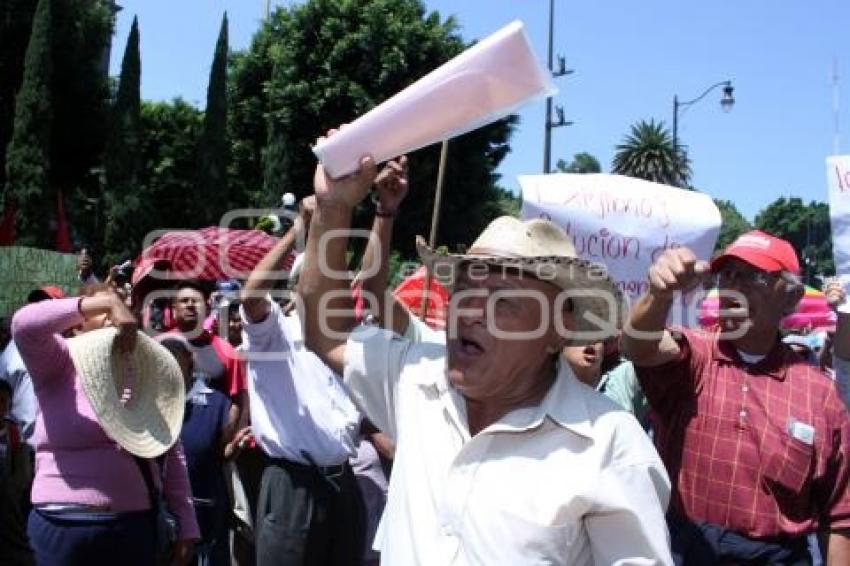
(729,276)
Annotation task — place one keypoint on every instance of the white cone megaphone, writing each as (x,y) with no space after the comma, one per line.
(488,81)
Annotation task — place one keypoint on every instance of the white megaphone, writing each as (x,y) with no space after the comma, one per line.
(488,81)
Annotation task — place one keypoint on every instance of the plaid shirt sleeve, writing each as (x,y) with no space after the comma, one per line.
(669,385)
(832,492)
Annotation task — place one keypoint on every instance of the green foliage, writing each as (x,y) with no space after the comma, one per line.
(214,150)
(28,154)
(325,62)
(732,225)
(582,163)
(648,153)
(79,34)
(509,203)
(808,229)
(170,134)
(122,162)
(249,74)
(15,25)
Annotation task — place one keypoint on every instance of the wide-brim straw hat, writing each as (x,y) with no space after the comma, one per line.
(139,397)
(541,249)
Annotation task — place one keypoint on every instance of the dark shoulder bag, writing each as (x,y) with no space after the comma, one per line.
(166,526)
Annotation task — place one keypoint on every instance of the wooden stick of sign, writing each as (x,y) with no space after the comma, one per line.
(435,225)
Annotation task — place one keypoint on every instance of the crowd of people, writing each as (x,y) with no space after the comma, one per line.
(269,421)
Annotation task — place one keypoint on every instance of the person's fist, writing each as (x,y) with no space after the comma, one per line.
(676,269)
(84,263)
(391,186)
(835,295)
(345,192)
(306,208)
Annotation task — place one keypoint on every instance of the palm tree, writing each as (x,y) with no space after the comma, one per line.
(648,153)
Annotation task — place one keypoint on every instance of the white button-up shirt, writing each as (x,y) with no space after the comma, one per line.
(571,481)
(298,405)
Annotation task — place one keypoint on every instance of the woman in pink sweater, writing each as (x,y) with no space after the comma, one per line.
(90,502)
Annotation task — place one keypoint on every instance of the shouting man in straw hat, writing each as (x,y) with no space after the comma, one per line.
(503,457)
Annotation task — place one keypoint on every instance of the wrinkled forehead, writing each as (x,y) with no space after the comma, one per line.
(189,292)
(480,274)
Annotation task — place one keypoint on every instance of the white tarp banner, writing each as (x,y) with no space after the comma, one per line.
(838,182)
(622,222)
(488,81)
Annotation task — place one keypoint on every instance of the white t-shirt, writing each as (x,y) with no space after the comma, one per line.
(298,405)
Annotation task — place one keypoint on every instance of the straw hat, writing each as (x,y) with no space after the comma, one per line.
(138,398)
(543,250)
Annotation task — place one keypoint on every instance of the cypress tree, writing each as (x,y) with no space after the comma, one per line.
(214,148)
(28,153)
(123,200)
(15,27)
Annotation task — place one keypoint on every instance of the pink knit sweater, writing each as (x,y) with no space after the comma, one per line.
(75,461)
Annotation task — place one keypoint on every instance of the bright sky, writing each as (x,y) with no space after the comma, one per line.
(630,58)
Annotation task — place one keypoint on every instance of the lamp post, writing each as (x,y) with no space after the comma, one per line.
(726,103)
(559,110)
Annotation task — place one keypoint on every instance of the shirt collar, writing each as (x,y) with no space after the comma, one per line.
(774,364)
(564,403)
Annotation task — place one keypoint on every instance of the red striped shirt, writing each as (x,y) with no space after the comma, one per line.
(724,431)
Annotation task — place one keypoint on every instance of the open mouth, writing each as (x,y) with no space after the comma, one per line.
(470,347)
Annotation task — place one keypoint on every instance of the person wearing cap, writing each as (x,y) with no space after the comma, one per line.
(15,373)
(107,428)
(756,439)
(502,456)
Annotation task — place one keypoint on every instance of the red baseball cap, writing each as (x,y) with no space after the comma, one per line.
(44,293)
(761,250)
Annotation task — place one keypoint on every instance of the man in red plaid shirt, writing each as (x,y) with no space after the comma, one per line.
(756,441)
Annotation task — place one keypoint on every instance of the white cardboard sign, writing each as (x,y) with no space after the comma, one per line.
(623,222)
(838,181)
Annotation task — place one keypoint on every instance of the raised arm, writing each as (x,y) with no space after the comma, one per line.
(837,300)
(645,340)
(262,278)
(37,330)
(391,186)
(322,284)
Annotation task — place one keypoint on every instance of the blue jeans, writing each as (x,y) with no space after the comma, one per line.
(705,544)
(92,539)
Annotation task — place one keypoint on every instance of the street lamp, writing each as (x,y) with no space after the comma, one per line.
(559,110)
(726,104)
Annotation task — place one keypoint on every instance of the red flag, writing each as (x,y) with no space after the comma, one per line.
(7,224)
(63,234)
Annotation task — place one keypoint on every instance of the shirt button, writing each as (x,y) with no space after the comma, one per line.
(745,388)
(743,414)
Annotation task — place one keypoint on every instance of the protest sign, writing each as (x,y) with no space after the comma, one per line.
(838,181)
(23,269)
(486,82)
(623,222)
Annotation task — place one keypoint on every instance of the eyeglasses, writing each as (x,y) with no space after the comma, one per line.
(755,279)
